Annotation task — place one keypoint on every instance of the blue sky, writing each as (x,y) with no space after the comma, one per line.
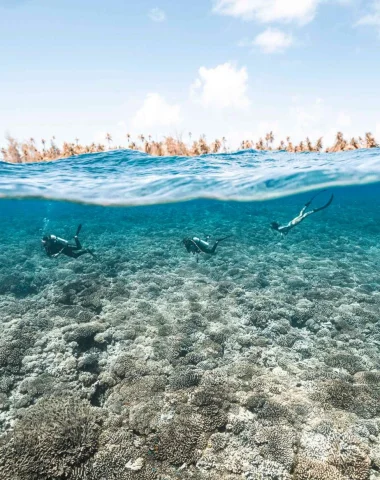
(233,68)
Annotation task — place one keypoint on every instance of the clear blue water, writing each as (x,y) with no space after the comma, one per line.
(125,177)
(273,341)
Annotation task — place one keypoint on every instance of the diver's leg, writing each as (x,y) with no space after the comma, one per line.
(302,212)
(77,245)
(214,247)
(218,241)
(79,254)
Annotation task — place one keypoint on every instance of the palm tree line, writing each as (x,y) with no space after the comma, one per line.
(27,152)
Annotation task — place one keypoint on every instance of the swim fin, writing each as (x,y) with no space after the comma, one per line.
(315,196)
(325,206)
(224,238)
(78,229)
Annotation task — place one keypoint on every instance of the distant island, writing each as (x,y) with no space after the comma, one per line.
(27,152)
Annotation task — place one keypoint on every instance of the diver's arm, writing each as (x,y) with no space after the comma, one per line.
(58,254)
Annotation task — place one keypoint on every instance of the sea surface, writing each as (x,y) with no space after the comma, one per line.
(260,362)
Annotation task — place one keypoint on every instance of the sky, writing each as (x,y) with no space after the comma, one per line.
(233,68)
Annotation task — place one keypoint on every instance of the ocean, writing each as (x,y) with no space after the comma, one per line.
(144,360)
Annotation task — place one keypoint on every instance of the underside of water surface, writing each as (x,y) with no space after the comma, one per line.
(147,362)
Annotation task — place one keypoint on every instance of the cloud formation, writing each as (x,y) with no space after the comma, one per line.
(157,15)
(372,18)
(156,112)
(273,41)
(221,87)
(266,11)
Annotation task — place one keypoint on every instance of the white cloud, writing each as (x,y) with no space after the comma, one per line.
(273,41)
(374,17)
(157,15)
(344,120)
(156,112)
(301,11)
(221,87)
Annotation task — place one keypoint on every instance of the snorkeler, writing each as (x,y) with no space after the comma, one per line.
(55,246)
(284,230)
(196,246)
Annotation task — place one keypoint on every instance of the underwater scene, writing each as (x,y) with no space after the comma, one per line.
(207,318)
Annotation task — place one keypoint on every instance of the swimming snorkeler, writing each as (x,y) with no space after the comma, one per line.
(285,229)
(196,246)
(55,246)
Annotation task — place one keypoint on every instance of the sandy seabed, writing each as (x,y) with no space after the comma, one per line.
(261,362)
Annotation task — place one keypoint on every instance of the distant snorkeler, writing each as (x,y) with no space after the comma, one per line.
(55,246)
(285,229)
(197,246)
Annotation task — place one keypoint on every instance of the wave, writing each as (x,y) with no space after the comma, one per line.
(126,177)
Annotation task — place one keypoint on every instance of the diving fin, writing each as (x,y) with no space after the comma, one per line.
(315,196)
(78,229)
(325,206)
(224,238)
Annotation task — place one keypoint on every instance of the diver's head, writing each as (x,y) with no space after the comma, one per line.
(275,225)
(188,244)
(48,239)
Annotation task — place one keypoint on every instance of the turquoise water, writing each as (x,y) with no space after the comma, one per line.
(260,362)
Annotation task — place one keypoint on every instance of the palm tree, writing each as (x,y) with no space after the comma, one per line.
(260,144)
(319,145)
(269,138)
(109,140)
(216,146)
(370,140)
(354,143)
(77,141)
(43,141)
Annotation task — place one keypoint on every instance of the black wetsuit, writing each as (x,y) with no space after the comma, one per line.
(196,246)
(55,246)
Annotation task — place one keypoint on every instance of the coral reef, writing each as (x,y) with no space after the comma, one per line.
(261,362)
(50,440)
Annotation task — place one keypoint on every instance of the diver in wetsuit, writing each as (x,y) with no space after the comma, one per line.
(55,246)
(285,229)
(196,246)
